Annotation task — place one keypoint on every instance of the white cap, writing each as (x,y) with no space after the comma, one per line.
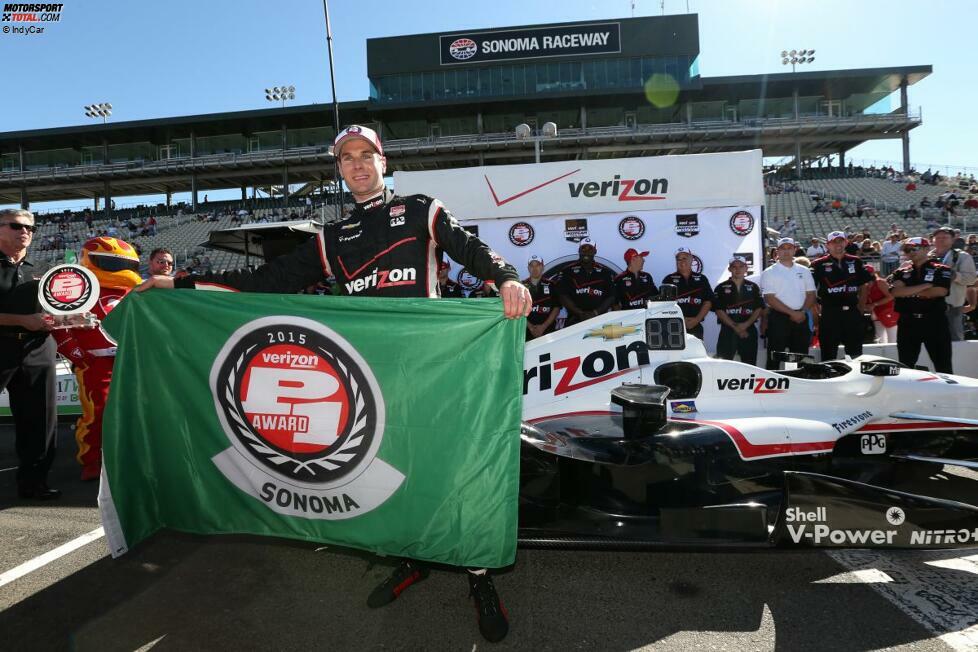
(787,241)
(536,259)
(356,131)
(835,235)
(684,250)
(736,259)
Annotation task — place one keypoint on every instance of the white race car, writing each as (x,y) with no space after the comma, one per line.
(634,437)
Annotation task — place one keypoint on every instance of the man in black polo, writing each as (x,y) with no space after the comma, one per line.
(738,305)
(543,314)
(586,288)
(919,288)
(693,292)
(27,358)
(841,284)
(634,287)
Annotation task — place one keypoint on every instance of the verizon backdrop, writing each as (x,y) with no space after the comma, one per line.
(709,203)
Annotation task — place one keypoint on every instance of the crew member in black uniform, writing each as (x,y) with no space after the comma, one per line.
(634,287)
(693,292)
(586,289)
(447,288)
(388,247)
(738,305)
(841,285)
(27,359)
(546,306)
(919,288)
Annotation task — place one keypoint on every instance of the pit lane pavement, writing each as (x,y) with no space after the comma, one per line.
(181,592)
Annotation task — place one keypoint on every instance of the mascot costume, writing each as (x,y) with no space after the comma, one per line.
(115,264)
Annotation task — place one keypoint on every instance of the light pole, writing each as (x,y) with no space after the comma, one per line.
(797,57)
(336,110)
(280,93)
(102,110)
(523,132)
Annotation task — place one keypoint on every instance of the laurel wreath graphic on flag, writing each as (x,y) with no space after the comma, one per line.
(336,460)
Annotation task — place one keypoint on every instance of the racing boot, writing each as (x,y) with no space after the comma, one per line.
(406,573)
(493,620)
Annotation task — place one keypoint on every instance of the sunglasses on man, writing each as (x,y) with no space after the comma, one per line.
(17,226)
(910,250)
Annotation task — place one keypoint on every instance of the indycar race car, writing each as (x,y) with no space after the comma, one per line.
(634,437)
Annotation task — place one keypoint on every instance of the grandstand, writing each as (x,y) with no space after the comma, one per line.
(889,200)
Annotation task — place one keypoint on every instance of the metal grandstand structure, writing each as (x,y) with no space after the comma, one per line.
(435,112)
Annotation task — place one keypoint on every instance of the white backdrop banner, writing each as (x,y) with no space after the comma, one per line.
(711,205)
(603,186)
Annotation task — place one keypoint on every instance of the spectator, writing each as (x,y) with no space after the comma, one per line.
(881,305)
(971,202)
(546,306)
(919,290)
(840,280)
(738,306)
(963,275)
(853,247)
(890,253)
(586,289)
(816,250)
(789,291)
(633,287)
(972,245)
(693,292)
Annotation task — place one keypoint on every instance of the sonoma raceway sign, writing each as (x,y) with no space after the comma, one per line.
(570,40)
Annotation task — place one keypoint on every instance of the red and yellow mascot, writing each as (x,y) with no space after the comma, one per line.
(115,264)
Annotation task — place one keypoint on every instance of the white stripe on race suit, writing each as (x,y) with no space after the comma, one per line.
(934,587)
(43,560)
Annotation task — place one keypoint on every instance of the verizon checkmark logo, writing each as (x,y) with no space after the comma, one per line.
(506,200)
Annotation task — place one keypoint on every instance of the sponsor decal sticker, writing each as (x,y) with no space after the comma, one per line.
(521,234)
(575,373)
(683,407)
(756,384)
(304,417)
(631,228)
(872,444)
(853,421)
(612,331)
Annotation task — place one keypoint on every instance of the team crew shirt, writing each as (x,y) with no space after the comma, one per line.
(586,290)
(691,293)
(389,246)
(838,281)
(788,284)
(932,271)
(545,300)
(739,304)
(633,290)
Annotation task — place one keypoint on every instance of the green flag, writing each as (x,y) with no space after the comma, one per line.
(389,425)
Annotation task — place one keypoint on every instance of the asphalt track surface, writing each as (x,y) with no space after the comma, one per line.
(181,592)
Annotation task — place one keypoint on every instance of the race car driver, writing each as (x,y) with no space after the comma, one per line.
(116,266)
(388,247)
(841,284)
(919,288)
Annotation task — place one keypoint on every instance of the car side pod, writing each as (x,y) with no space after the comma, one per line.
(879,368)
(643,408)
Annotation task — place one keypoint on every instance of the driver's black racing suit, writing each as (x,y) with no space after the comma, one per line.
(389,246)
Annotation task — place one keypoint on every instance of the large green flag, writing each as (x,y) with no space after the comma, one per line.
(390,425)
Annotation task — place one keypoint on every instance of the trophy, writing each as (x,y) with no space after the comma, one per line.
(67,294)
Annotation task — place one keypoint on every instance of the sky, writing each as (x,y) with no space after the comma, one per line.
(154,59)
